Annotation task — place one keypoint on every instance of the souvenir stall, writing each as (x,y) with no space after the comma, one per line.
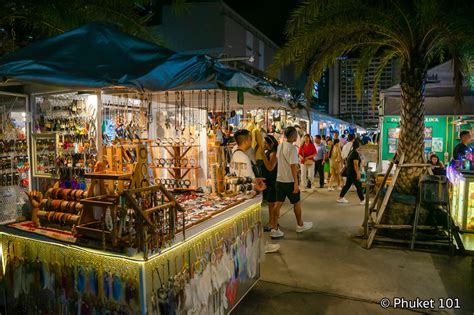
(462,206)
(129,209)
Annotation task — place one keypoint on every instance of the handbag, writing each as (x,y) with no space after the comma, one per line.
(344,172)
(308,162)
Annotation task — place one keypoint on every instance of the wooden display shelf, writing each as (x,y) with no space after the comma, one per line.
(186,189)
(177,145)
(107,175)
(176,167)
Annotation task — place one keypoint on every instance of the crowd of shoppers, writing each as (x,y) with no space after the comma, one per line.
(288,168)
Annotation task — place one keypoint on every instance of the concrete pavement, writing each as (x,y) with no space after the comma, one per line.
(327,270)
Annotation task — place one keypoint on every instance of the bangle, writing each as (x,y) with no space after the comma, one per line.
(192,162)
(184,162)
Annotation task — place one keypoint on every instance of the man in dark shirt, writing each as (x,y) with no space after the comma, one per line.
(462,148)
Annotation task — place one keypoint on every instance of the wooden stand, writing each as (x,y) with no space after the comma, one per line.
(374,224)
(178,170)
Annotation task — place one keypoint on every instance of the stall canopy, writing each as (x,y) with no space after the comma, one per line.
(439,94)
(97,56)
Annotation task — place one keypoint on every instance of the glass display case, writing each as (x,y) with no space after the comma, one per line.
(462,201)
(44,151)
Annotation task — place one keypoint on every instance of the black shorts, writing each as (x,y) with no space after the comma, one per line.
(286,190)
(270,193)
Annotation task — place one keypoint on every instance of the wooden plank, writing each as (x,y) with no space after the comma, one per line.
(405,227)
(163,206)
(386,198)
(377,195)
(416,165)
(137,208)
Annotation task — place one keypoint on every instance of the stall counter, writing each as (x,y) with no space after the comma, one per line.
(221,255)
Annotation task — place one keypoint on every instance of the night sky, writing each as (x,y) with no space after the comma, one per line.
(269,16)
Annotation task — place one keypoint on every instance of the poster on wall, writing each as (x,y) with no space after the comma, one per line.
(392,148)
(393,133)
(428,133)
(437,145)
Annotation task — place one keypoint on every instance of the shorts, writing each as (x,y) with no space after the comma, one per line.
(270,193)
(284,190)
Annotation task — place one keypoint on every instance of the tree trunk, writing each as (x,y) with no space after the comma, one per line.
(412,124)
(411,143)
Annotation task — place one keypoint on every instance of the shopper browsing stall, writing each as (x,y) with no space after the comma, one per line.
(353,174)
(240,163)
(306,153)
(287,184)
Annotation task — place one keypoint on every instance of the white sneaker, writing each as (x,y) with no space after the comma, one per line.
(306,226)
(276,233)
(342,200)
(271,248)
(362,203)
(331,189)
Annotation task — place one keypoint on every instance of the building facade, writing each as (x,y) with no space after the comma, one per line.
(216,29)
(342,92)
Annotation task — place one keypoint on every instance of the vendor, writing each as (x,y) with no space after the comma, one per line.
(462,148)
(436,165)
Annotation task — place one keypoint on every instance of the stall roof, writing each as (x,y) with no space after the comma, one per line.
(439,94)
(97,56)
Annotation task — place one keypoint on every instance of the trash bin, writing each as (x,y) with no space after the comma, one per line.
(434,189)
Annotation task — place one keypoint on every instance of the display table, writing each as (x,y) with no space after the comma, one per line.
(208,272)
(462,204)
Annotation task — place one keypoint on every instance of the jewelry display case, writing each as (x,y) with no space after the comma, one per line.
(44,151)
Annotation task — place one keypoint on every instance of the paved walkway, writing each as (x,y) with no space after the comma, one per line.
(327,271)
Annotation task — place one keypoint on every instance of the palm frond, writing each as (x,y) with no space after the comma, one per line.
(362,64)
(384,61)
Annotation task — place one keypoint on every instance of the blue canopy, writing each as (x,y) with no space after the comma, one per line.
(97,56)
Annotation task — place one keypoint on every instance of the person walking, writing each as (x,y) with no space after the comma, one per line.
(353,174)
(327,168)
(287,184)
(336,164)
(319,159)
(346,149)
(270,174)
(306,153)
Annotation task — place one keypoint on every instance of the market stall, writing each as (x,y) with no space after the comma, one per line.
(128,200)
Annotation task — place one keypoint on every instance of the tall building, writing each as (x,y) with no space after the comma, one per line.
(216,29)
(342,92)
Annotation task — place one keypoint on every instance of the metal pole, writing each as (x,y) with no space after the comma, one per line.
(368,182)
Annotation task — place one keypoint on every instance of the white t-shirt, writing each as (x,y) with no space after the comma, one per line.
(240,165)
(346,149)
(287,155)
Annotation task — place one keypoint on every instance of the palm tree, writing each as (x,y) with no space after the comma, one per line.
(22,21)
(415,32)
